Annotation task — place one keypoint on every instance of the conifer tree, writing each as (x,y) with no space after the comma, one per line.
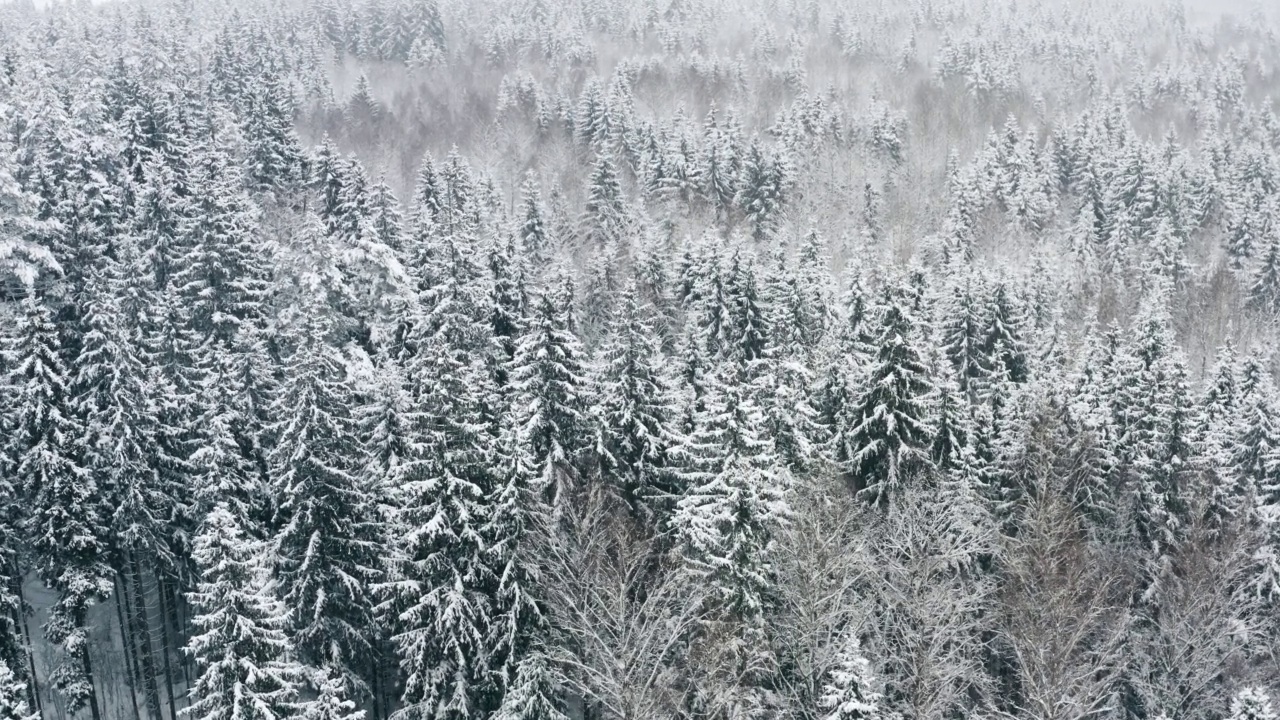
(1157,443)
(964,334)
(816,287)
(892,431)
(549,381)
(275,158)
(635,424)
(1264,292)
(329,545)
(67,526)
(440,594)
(733,504)
(223,283)
(240,645)
(748,314)
(534,237)
(21,254)
(1257,444)
(331,702)
(532,694)
(507,301)
(1252,703)
(13,695)
(762,192)
(604,220)
(850,694)
(385,221)
(718,168)
(13,686)
(953,427)
(1004,343)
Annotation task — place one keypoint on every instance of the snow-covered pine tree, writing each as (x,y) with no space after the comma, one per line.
(1256,443)
(13,695)
(892,431)
(67,520)
(851,693)
(1155,450)
(275,161)
(13,656)
(634,416)
(734,502)
(532,694)
(549,383)
(762,191)
(963,332)
(439,598)
(385,220)
(21,254)
(223,279)
(331,701)
(118,450)
(240,645)
(719,165)
(953,426)
(535,240)
(605,218)
(1252,703)
(328,549)
(507,301)
(1003,342)
(1264,292)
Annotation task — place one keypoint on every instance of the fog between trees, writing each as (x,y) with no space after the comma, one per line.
(535,360)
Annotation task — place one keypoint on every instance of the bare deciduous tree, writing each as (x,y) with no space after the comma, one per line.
(1064,614)
(621,616)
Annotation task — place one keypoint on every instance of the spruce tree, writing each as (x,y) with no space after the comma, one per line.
(12,648)
(761,194)
(275,159)
(604,220)
(240,645)
(718,167)
(331,702)
(441,589)
(1252,703)
(734,503)
(633,415)
(13,695)
(850,694)
(223,281)
(385,221)
(964,333)
(534,237)
(1156,447)
(329,545)
(1003,341)
(892,431)
(1264,292)
(532,694)
(67,523)
(22,255)
(549,383)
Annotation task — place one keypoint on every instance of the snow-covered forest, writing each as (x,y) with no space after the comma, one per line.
(639,360)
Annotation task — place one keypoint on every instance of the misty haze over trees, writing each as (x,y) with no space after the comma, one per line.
(639,360)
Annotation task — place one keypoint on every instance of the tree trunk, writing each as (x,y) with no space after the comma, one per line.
(93,690)
(375,680)
(181,630)
(126,646)
(142,624)
(32,683)
(165,644)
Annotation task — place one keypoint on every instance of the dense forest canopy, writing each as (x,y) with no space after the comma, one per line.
(639,360)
